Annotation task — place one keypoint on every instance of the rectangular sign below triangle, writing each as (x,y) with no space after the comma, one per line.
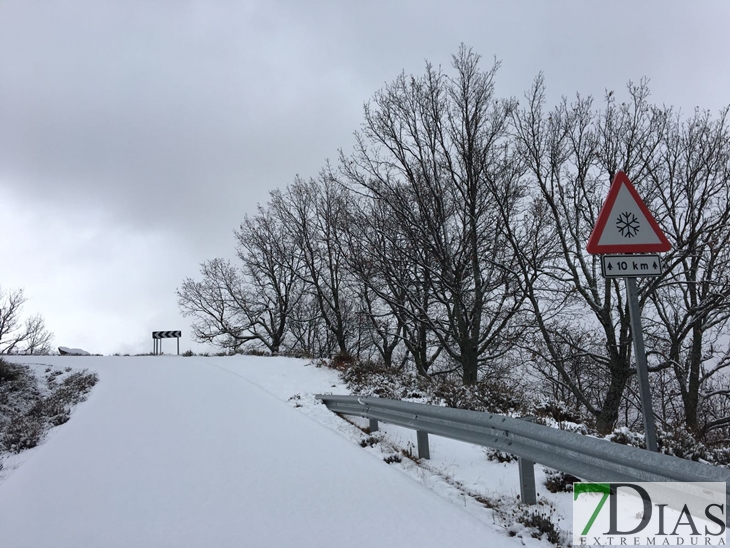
(625,224)
(631,266)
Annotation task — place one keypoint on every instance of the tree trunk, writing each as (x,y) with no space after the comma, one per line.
(692,394)
(606,419)
(470,365)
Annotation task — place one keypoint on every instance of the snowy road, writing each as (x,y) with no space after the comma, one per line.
(177,452)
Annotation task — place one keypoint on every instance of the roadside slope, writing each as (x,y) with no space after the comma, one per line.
(173,452)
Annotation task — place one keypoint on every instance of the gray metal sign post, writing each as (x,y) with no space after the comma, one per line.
(642,370)
(637,333)
(625,225)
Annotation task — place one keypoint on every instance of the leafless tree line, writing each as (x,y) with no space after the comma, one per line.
(452,240)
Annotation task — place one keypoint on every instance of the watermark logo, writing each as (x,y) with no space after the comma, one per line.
(649,514)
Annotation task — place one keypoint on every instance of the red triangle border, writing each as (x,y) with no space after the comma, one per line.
(603,218)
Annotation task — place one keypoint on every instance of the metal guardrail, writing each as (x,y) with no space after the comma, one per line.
(585,457)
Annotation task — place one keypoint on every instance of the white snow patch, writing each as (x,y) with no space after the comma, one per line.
(189,452)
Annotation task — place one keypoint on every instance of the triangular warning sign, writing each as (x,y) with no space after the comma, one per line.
(625,224)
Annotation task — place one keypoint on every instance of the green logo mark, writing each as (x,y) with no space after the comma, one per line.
(604,488)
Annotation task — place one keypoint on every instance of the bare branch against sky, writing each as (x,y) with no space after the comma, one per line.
(134,136)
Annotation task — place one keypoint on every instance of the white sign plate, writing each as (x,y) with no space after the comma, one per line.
(631,266)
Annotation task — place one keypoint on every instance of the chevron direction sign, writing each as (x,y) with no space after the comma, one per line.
(157,337)
(631,266)
(166,334)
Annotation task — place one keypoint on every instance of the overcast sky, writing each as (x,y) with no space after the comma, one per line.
(135,135)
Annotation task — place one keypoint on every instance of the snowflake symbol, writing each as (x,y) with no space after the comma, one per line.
(627,224)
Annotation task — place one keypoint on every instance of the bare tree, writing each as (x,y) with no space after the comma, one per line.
(217,305)
(691,305)
(379,257)
(314,214)
(310,335)
(18,336)
(253,303)
(572,154)
(271,264)
(39,339)
(434,149)
(381,329)
(681,170)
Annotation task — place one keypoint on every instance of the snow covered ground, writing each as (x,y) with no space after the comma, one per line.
(192,452)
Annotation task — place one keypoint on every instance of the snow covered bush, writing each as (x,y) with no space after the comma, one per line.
(486,395)
(8,371)
(678,441)
(22,432)
(32,402)
(558,411)
(372,379)
(499,456)
(559,482)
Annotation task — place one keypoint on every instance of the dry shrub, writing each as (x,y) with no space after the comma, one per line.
(541,524)
(342,361)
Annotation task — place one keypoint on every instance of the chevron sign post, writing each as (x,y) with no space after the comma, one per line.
(157,342)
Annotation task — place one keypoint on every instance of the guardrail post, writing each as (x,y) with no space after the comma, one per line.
(373,425)
(528,492)
(423,450)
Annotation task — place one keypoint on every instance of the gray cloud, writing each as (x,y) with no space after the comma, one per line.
(155,126)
